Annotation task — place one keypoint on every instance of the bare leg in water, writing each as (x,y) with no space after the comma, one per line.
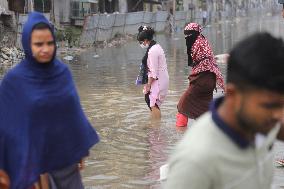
(155,113)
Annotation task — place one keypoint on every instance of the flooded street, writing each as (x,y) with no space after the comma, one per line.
(132,148)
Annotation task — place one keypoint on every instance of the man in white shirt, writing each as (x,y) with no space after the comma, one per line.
(231,145)
(204,17)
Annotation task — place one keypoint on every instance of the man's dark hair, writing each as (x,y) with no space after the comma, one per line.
(257,62)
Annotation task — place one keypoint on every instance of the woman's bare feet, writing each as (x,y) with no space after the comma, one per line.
(155,113)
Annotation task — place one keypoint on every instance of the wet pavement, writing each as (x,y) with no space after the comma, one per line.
(132,148)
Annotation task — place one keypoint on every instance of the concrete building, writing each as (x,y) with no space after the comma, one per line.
(108,6)
(190,4)
(4,7)
(66,12)
(42,5)
(62,11)
(123,7)
(6,24)
(145,5)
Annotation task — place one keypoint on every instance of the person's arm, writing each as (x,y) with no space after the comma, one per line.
(81,164)
(184,174)
(153,66)
(280,135)
(4,180)
(148,85)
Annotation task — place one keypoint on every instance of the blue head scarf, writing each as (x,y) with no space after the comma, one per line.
(42,124)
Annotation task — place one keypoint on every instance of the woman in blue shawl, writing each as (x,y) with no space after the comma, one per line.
(42,125)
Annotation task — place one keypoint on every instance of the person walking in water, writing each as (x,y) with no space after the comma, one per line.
(202,79)
(43,128)
(204,17)
(156,78)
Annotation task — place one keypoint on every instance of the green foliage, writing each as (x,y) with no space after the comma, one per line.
(118,35)
(70,34)
(179,2)
(59,34)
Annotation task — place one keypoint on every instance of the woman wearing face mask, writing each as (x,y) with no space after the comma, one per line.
(203,77)
(157,79)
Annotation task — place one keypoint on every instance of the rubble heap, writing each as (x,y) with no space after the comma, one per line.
(9,57)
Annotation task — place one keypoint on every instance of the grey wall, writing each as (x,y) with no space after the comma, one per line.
(104,27)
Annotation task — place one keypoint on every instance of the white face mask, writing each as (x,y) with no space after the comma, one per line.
(144,46)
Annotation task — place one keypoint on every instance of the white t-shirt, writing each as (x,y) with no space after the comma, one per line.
(204,14)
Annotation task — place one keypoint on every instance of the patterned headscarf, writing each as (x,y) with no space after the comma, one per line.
(201,53)
(193,26)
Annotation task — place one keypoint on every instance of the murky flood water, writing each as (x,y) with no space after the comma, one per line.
(132,148)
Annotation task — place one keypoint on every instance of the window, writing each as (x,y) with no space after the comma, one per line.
(42,5)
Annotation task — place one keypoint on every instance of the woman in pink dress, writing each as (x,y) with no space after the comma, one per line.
(157,83)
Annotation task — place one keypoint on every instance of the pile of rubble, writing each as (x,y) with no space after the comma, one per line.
(9,57)
(114,42)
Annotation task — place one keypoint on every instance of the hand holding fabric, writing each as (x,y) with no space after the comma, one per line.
(146,88)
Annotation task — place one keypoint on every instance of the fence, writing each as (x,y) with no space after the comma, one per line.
(106,26)
(103,27)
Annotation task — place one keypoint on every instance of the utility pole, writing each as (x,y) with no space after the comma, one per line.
(42,1)
(52,13)
(30,6)
(174,17)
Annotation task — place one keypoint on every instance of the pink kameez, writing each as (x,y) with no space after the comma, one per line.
(157,69)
